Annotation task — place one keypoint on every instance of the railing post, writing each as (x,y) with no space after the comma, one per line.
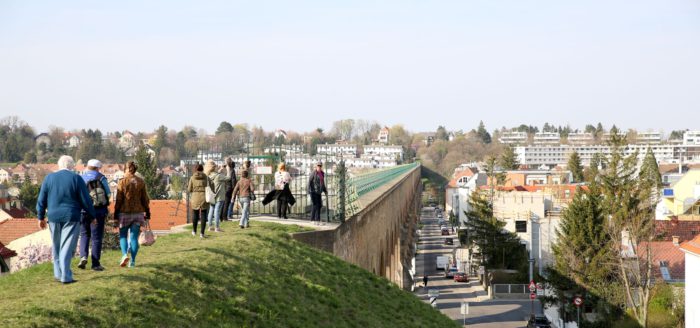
(342,187)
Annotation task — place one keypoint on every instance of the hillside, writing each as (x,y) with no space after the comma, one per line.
(256,277)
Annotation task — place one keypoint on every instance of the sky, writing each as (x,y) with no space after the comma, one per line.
(298,65)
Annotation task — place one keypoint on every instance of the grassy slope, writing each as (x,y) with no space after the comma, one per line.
(256,277)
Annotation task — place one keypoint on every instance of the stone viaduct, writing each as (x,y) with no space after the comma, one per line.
(381,237)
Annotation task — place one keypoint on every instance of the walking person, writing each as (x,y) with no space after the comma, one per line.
(226,209)
(132,210)
(92,229)
(281,193)
(63,195)
(218,185)
(196,187)
(425,280)
(244,190)
(316,187)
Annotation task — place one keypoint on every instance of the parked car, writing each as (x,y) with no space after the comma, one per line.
(445,231)
(450,273)
(439,215)
(448,241)
(442,222)
(461,277)
(538,321)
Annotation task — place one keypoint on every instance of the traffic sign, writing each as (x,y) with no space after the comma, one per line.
(532,286)
(578,301)
(481,270)
(464,309)
(540,289)
(533,296)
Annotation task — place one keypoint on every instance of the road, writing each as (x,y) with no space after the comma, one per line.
(483,313)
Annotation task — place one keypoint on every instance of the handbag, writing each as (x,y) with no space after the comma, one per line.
(209,194)
(252,195)
(147,238)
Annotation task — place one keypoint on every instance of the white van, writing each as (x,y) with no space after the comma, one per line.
(442,262)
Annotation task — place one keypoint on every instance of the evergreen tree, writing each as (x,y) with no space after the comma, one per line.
(650,178)
(161,139)
(582,257)
(29,194)
(224,127)
(575,167)
(148,168)
(441,133)
(483,135)
(509,159)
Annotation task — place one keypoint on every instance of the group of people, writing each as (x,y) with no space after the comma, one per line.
(77,207)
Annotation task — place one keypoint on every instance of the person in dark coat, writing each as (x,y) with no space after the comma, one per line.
(316,187)
(226,210)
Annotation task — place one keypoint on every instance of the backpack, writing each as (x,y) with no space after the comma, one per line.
(97,192)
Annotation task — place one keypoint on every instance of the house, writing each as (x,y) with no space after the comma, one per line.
(5,175)
(43,138)
(691,249)
(459,190)
(20,234)
(279,133)
(668,260)
(127,140)
(536,177)
(682,199)
(383,137)
(72,140)
(534,214)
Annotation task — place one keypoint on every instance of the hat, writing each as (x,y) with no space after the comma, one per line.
(94,163)
(319,164)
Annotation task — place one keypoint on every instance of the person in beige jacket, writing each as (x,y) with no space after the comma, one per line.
(198,203)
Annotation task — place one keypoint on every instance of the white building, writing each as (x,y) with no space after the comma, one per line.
(538,155)
(691,138)
(337,149)
(127,140)
(547,138)
(580,138)
(386,152)
(5,175)
(649,138)
(73,141)
(459,190)
(692,282)
(513,138)
(383,137)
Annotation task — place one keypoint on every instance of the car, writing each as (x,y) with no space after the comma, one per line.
(461,277)
(450,273)
(439,215)
(448,241)
(445,231)
(442,222)
(538,321)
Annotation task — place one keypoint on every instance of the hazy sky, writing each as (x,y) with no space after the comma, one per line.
(302,64)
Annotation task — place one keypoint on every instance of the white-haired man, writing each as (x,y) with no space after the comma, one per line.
(64,195)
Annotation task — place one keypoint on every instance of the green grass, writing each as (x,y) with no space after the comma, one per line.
(256,277)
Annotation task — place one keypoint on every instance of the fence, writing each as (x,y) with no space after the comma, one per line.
(511,291)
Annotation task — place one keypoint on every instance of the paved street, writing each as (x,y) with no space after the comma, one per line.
(483,313)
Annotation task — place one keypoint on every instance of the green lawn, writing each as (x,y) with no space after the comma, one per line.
(256,277)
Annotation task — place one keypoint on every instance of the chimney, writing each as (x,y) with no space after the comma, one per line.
(676,240)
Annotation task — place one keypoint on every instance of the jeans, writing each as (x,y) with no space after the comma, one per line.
(227,208)
(245,211)
(64,236)
(215,214)
(133,242)
(92,232)
(196,216)
(316,207)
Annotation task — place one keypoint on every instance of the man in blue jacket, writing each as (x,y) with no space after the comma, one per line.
(64,195)
(92,228)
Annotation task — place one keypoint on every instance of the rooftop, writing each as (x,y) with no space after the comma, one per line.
(13,229)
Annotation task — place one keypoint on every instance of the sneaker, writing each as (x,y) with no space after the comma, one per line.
(242,227)
(217,230)
(83,263)
(211,229)
(98,268)
(132,264)
(201,236)
(194,233)
(124,261)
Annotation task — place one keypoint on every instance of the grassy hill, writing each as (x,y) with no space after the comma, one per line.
(256,277)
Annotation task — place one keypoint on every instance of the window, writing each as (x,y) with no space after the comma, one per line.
(663,266)
(520,226)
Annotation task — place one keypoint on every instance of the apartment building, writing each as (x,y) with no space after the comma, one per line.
(547,138)
(513,138)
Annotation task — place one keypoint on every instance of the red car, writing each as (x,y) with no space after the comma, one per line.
(461,277)
(445,232)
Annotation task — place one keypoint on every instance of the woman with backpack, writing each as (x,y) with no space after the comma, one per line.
(132,210)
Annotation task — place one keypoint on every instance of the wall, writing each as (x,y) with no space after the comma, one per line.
(381,236)
(42,237)
(692,290)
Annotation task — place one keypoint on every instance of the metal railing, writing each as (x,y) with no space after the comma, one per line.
(359,185)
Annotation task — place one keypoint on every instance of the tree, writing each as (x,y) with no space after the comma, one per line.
(344,129)
(509,159)
(28,194)
(224,127)
(484,135)
(676,135)
(177,185)
(582,257)
(148,168)
(575,167)
(161,139)
(441,133)
(650,177)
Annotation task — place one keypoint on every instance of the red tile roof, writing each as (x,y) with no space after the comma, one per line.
(685,230)
(13,229)
(6,253)
(668,252)
(468,172)
(692,246)
(17,213)
(165,214)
